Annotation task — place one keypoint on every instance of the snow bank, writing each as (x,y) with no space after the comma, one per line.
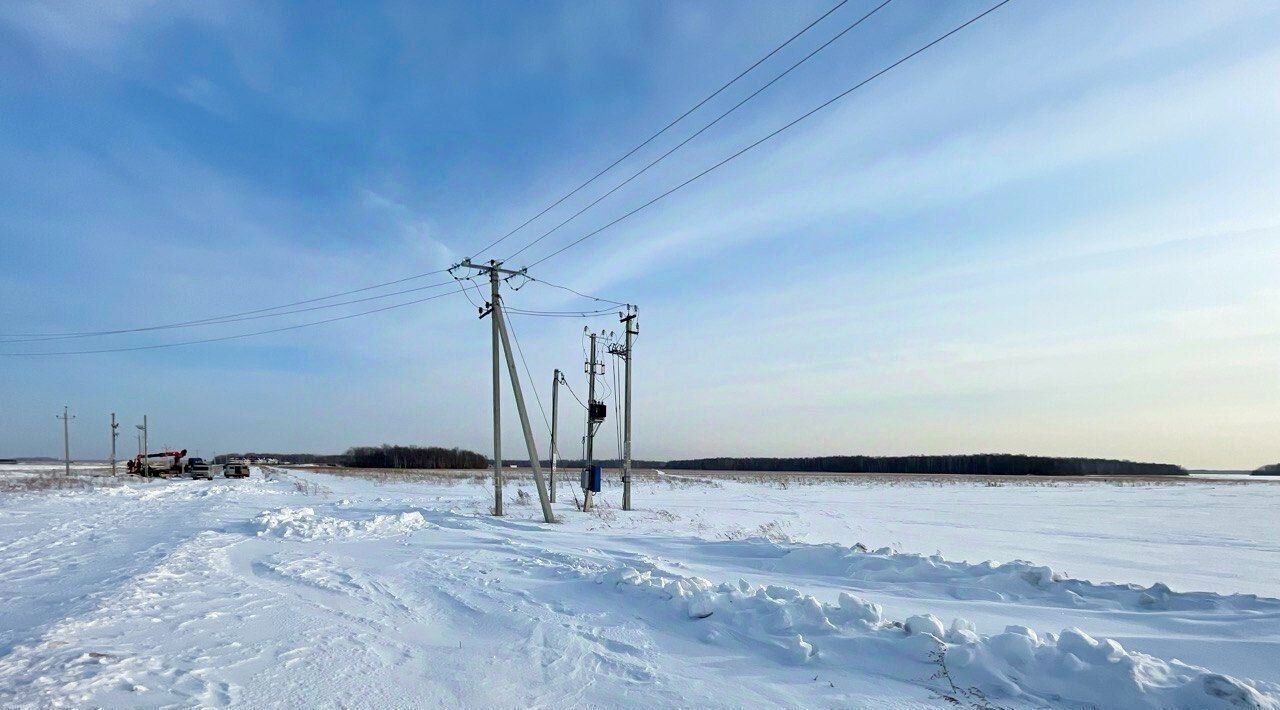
(956,661)
(1011,581)
(306,524)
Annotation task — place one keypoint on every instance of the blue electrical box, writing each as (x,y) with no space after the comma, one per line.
(591,479)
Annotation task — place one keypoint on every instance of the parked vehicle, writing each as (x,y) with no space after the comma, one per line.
(159,463)
(199,468)
(235,470)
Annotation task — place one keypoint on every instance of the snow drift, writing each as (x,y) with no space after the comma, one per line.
(305,524)
(955,661)
(1010,581)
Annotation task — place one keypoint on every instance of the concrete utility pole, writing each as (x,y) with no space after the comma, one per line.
(555,419)
(66,439)
(529,444)
(500,341)
(633,329)
(497,400)
(114,435)
(145,467)
(591,433)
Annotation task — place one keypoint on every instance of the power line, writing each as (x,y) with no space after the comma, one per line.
(565,382)
(469,282)
(664,129)
(463,283)
(69,336)
(232,337)
(793,122)
(562,314)
(226,316)
(544,282)
(700,131)
(462,288)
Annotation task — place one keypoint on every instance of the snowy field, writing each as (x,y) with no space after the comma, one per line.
(304,589)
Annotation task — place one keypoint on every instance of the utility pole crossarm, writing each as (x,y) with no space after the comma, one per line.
(492,266)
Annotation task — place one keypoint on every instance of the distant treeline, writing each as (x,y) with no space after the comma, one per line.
(428,457)
(973,464)
(579,463)
(385,456)
(1272,470)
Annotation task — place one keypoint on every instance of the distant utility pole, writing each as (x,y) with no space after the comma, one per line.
(144,466)
(66,439)
(591,419)
(632,325)
(555,419)
(501,342)
(114,434)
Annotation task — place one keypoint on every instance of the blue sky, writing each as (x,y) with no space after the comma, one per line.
(1055,233)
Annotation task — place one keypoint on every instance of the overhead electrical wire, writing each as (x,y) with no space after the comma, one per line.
(700,131)
(232,337)
(605,391)
(462,285)
(662,130)
(565,381)
(202,321)
(562,314)
(567,314)
(68,336)
(776,132)
(466,282)
(589,297)
(541,313)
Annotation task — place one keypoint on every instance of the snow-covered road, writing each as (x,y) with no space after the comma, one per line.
(321,590)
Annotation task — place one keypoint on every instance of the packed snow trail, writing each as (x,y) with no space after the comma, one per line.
(338,591)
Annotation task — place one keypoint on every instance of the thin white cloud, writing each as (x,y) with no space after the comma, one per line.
(817,175)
